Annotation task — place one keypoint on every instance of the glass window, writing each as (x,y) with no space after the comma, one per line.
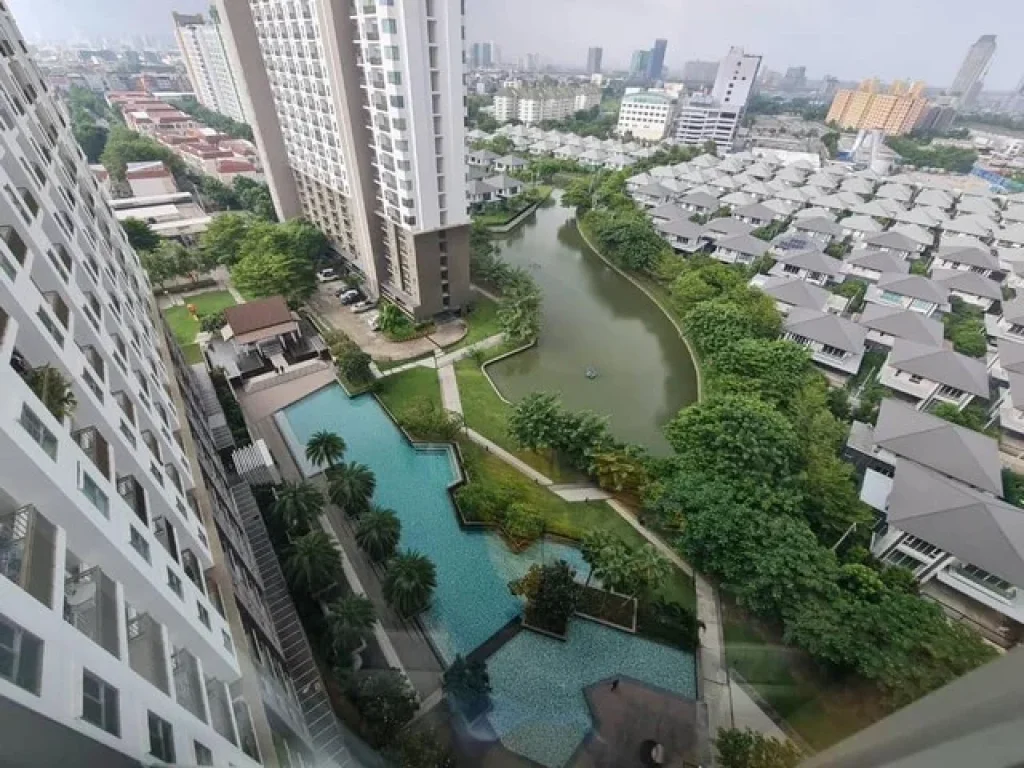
(92,492)
(100,704)
(38,431)
(203,754)
(389,25)
(21,656)
(395,78)
(161,739)
(391,52)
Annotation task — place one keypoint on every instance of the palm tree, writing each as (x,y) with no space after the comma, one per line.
(53,390)
(313,563)
(409,583)
(351,487)
(647,569)
(299,505)
(378,532)
(467,683)
(593,548)
(325,447)
(349,620)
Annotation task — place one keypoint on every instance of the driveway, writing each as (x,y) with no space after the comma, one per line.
(382,350)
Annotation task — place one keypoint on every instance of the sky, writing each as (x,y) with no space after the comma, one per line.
(852,40)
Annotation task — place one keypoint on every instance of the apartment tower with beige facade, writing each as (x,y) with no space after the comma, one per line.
(893,112)
(358,111)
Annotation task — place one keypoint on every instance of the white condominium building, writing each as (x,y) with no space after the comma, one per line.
(532,105)
(716,116)
(647,116)
(358,109)
(206,61)
(123,639)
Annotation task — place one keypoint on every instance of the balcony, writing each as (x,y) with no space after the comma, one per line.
(152,443)
(95,446)
(131,491)
(146,650)
(190,564)
(27,552)
(127,406)
(188,683)
(164,533)
(90,605)
(243,717)
(12,256)
(220,709)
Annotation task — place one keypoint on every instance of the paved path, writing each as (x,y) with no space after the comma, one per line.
(581,492)
(508,458)
(442,360)
(450,398)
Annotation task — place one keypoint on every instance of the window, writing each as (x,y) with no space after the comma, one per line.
(92,492)
(21,656)
(395,78)
(390,26)
(38,431)
(922,546)
(391,52)
(139,543)
(920,305)
(203,754)
(100,704)
(892,298)
(174,581)
(161,739)
(915,379)
(204,615)
(827,349)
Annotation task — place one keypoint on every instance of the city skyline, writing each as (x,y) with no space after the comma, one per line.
(795,32)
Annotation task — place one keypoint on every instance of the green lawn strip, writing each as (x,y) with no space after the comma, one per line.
(482,323)
(822,711)
(571,519)
(487,414)
(192,353)
(403,391)
(184,326)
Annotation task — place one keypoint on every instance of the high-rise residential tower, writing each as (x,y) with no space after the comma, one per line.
(639,65)
(206,61)
(358,111)
(971,76)
(657,62)
(594,60)
(716,116)
(121,639)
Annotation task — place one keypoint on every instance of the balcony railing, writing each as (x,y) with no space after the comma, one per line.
(220,709)
(15,247)
(146,650)
(90,606)
(188,683)
(95,446)
(131,491)
(27,552)
(164,532)
(190,564)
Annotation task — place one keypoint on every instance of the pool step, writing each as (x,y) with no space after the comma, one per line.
(330,737)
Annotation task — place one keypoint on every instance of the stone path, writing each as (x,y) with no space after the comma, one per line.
(440,361)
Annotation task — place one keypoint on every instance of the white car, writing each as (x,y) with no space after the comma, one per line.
(327,274)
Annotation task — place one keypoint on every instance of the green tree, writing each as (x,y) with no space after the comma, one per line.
(519,312)
(212,322)
(618,469)
(467,684)
(713,325)
(409,583)
(159,268)
(54,391)
(140,235)
(299,505)
(354,366)
(551,593)
(312,564)
(378,533)
(770,369)
(91,138)
(392,319)
(579,194)
(387,703)
(126,146)
(325,447)
(522,524)
(702,283)
(534,421)
(421,749)
(350,487)
(275,274)
(349,622)
(593,547)
(255,197)
(750,749)
(224,236)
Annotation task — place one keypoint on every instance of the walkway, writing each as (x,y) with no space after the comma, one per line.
(443,360)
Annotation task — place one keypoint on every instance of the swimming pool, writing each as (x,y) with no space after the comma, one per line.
(538,705)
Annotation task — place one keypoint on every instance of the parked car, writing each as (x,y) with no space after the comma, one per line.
(327,275)
(363,306)
(350,296)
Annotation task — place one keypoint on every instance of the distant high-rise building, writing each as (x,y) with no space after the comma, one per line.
(700,74)
(970,78)
(829,87)
(795,79)
(639,64)
(207,64)
(594,60)
(894,112)
(474,56)
(375,155)
(487,57)
(657,62)
(533,62)
(716,117)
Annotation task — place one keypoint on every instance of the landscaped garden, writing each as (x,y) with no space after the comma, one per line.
(501,212)
(185,326)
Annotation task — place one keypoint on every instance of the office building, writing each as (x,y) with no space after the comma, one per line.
(647,116)
(121,638)
(475,56)
(202,50)
(716,116)
(698,75)
(657,62)
(639,64)
(895,111)
(359,119)
(531,105)
(970,77)
(594,60)
(489,55)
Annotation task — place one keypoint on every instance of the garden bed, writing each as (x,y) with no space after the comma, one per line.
(607,608)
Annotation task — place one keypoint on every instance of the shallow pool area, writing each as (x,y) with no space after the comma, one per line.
(539,709)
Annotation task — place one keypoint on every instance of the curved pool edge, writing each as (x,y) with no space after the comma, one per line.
(498,359)
(654,299)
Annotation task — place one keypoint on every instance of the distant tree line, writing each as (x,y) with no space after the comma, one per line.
(214,120)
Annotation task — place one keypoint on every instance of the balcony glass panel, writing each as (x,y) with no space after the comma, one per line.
(188,683)
(27,552)
(90,606)
(38,431)
(146,650)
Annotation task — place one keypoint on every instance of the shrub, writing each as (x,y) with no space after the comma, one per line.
(522,525)
(386,701)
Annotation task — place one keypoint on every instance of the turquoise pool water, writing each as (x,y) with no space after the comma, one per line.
(539,710)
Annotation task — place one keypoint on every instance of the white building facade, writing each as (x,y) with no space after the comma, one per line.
(360,118)
(206,61)
(716,116)
(532,105)
(645,116)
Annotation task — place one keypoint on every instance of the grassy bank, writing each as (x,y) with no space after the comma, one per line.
(404,391)
(481,322)
(184,326)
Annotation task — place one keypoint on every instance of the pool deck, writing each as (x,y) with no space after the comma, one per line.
(418,659)
(634,713)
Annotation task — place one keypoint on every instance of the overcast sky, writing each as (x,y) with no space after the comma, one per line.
(851,39)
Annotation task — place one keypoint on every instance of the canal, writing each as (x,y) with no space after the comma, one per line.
(595,318)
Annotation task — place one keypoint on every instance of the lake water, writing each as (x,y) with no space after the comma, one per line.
(595,318)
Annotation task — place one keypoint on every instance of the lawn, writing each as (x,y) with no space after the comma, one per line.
(487,414)
(402,391)
(184,326)
(482,322)
(569,519)
(822,711)
(193,354)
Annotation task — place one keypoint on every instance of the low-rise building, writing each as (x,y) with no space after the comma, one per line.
(971,287)
(740,249)
(1009,325)
(913,292)
(810,265)
(682,234)
(895,243)
(532,105)
(792,292)
(755,214)
(870,265)
(647,116)
(834,342)
(925,375)
(820,229)
(887,324)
